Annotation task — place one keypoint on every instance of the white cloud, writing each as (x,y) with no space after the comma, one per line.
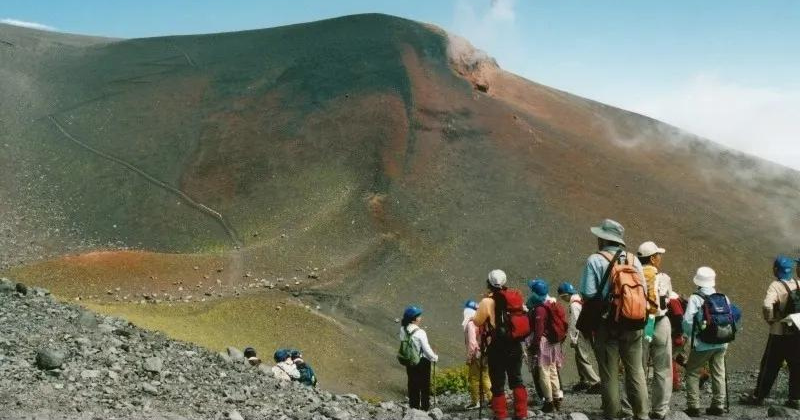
(762,121)
(32,25)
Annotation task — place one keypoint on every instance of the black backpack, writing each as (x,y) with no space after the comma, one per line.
(792,303)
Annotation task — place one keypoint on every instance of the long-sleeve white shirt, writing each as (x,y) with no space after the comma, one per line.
(420,341)
(575,307)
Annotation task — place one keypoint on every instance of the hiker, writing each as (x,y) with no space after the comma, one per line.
(284,369)
(251,357)
(617,335)
(502,313)
(710,324)
(783,343)
(658,350)
(307,375)
(588,379)
(478,369)
(544,343)
(419,374)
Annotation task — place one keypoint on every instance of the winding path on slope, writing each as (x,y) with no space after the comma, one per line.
(217,216)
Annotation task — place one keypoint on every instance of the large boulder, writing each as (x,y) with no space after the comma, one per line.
(153,364)
(414,414)
(7,286)
(235,354)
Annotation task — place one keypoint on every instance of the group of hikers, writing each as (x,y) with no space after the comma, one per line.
(289,366)
(627,312)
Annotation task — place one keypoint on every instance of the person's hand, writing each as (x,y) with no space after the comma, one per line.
(573,344)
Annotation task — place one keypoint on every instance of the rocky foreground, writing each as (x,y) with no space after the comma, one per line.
(59,361)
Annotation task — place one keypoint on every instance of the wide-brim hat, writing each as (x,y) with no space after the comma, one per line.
(610,230)
(705,277)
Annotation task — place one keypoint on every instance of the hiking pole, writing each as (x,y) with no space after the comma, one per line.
(727,393)
(434,384)
(480,385)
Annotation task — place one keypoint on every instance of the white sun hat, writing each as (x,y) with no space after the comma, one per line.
(705,277)
(497,278)
(649,248)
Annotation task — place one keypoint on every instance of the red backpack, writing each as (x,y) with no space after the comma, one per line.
(511,321)
(556,326)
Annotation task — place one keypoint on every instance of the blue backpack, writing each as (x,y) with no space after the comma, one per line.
(718,325)
(307,376)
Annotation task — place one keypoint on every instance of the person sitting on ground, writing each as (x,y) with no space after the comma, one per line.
(307,375)
(477,368)
(542,353)
(251,357)
(588,379)
(419,375)
(783,343)
(284,369)
(702,352)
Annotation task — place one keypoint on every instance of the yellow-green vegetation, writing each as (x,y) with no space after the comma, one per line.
(344,361)
(453,380)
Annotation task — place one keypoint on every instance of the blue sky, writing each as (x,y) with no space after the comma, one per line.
(726,70)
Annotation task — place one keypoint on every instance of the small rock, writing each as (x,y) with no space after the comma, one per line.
(414,414)
(7,286)
(437,414)
(235,354)
(48,359)
(150,389)
(581,416)
(677,415)
(90,374)
(105,328)
(87,320)
(234,415)
(153,364)
(783,412)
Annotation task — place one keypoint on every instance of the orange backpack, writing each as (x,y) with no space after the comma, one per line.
(628,297)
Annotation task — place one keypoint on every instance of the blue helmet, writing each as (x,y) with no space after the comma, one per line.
(281,355)
(538,287)
(566,288)
(471,304)
(411,312)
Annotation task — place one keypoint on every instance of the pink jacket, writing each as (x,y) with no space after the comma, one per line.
(472,340)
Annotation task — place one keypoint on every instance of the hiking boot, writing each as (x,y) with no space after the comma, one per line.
(581,386)
(693,412)
(557,403)
(548,407)
(715,411)
(794,404)
(595,389)
(751,399)
(656,416)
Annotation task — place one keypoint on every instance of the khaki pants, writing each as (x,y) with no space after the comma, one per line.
(549,382)
(659,353)
(609,348)
(475,379)
(716,363)
(585,370)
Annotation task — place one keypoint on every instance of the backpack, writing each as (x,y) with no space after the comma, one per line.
(556,326)
(718,324)
(675,310)
(307,376)
(511,321)
(407,355)
(628,298)
(792,304)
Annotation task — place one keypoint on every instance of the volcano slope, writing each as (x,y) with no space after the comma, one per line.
(345,168)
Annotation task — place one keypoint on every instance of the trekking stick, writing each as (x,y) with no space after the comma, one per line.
(434,384)
(480,385)
(727,394)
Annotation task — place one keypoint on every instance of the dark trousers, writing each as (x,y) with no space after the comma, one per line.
(419,385)
(780,348)
(505,360)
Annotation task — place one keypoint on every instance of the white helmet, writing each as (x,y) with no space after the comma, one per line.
(497,278)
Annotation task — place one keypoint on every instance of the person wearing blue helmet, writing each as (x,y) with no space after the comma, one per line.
(781,303)
(588,380)
(477,368)
(545,356)
(419,375)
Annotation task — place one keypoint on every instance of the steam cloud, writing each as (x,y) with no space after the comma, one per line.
(25,24)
